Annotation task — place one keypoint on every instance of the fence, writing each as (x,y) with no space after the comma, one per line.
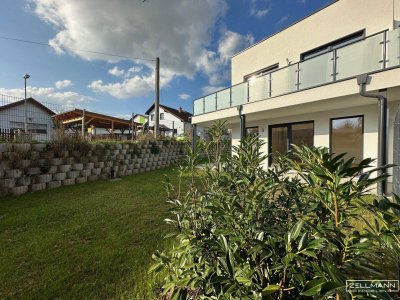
(27,119)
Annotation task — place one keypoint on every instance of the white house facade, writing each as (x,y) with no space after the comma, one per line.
(299,86)
(37,118)
(172,120)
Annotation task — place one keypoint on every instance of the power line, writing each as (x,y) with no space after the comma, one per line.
(74,49)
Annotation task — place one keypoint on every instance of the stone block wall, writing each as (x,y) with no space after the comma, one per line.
(34,167)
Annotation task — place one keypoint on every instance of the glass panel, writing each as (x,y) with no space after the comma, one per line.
(316,71)
(393,50)
(198,106)
(347,137)
(224,99)
(209,103)
(360,58)
(284,80)
(303,134)
(252,131)
(239,94)
(279,140)
(259,88)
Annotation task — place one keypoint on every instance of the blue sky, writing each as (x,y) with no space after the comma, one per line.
(194,40)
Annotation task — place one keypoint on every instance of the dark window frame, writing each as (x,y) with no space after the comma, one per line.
(289,133)
(338,43)
(347,117)
(263,71)
(161,116)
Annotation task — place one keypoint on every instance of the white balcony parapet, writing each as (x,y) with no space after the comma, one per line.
(372,54)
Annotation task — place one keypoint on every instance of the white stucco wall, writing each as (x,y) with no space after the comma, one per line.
(334,22)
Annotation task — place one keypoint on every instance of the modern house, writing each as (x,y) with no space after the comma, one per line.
(299,85)
(29,115)
(172,121)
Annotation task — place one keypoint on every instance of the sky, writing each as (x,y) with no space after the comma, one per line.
(195,40)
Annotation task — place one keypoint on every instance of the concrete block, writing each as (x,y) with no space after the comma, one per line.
(13,173)
(128,172)
(106,170)
(53,170)
(89,166)
(22,147)
(68,181)
(25,164)
(7,183)
(103,176)
(81,180)
(69,161)
(135,171)
(96,171)
(85,173)
(33,171)
(56,161)
(37,187)
(93,178)
(44,178)
(38,147)
(121,173)
(72,174)
(24,181)
(64,168)
(19,190)
(99,164)
(53,184)
(77,167)
(59,176)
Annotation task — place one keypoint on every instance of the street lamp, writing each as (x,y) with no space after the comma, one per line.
(26,76)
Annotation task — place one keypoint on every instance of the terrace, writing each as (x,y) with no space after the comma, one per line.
(372,54)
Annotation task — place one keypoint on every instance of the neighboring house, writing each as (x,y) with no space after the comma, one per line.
(172,120)
(141,119)
(39,120)
(298,86)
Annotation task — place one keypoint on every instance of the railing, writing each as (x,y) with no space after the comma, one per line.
(373,53)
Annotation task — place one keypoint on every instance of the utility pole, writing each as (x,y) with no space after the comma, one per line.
(157,99)
(132,125)
(26,77)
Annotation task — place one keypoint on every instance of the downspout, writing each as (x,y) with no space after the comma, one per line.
(363,81)
(242,123)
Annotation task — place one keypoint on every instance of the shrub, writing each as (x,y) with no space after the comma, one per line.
(154,148)
(279,233)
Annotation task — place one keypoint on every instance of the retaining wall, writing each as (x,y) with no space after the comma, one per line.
(34,167)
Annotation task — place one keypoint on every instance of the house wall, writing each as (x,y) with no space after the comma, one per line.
(322,127)
(34,115)
(170,121)
(336,21)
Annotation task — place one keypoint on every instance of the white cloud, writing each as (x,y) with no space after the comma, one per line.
(49,94)
(209,89)
(177,31)
(301,1)
(116,71)
(260,8)
(282,20)
(184,96)
(62,84)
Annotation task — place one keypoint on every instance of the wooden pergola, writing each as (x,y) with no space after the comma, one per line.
(80,118)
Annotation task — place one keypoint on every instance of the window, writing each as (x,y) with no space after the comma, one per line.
(32,127)
(282,136)
(359,35)
(252,131)
(152,117)
(261,72)
(347,137)
(161,116)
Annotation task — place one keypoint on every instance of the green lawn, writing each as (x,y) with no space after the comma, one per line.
(92,240)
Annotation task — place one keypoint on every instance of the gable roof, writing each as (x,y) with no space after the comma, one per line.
(31,101)
(182,115)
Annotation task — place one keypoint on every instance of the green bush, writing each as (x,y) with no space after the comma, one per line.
(247,232)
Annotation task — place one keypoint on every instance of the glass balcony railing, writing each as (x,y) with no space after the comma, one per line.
(374,53)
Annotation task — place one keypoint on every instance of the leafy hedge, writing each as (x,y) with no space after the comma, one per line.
(247,232)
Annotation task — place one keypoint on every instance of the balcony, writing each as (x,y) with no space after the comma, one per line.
(372,54)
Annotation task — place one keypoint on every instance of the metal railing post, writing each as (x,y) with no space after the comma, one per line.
(334,63)
(270,85)
(384,50)
(230,97)
(298,77)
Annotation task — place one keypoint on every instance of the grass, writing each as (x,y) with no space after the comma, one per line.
(88,241)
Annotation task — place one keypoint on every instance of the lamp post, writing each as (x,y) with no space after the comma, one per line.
(26,76)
